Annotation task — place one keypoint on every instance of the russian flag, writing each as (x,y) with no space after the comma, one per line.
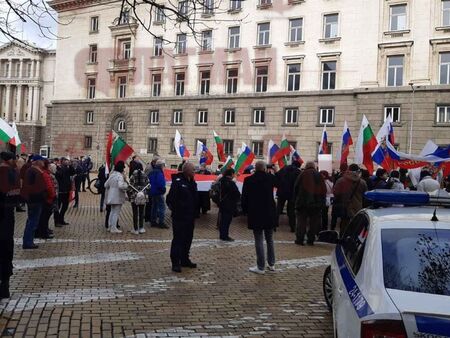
(323,148)
(381,156)
(295,156)
(272,149)
(347,141)
(205,156)
(180,147)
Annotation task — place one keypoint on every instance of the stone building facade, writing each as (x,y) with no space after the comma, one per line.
(26,88)
(255,71)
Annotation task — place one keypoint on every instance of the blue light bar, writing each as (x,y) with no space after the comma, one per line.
(410,198)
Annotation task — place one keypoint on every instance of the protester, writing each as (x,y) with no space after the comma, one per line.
(86,165)
(133,165)
(204,203)
(148,206)
(138,195)
(286,178)
(157,192)
(116,187)
(397,185)
(380,180)
(34,192)
(9,199)
(427,183)
(259,205)
(219,169)
(43,230)
(328,198)
(63,175)
(182,201)
(79,174)
(228,200)
(348,195)
(447,184)
(101,180)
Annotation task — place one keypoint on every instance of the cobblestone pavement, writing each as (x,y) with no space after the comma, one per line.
(89,283)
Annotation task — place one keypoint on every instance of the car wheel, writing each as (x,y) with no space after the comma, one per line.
(328,288)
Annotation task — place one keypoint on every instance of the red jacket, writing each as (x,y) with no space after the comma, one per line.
(50,187)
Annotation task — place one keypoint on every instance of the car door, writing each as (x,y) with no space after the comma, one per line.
(350,304)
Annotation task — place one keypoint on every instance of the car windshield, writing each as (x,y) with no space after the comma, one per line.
(417,260)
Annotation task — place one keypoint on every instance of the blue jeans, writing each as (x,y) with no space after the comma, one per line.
(158,209)
(34,214)
(224,223)
(259,245)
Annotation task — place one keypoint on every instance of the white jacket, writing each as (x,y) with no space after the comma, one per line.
(428,184)
(116,188)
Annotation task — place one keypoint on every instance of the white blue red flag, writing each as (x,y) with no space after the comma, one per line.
(346,142)
(180,147)
(323,148)
(203,153)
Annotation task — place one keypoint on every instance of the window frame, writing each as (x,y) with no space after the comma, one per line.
(183,7)
(392,107)
(294,117)
(122,86)
(121,126)
(447,65)
(159,18)
(259,117)
(158,46)
(261,80)
(233,80)
(87,142)
(444,12)
(235,37)
(152,145)
(153,119)
(93,53)
(259,153)
(89,117)
(331,25)
(296,30)
(207,41)
(263,37)
(392,16)
(177,117)
(395,68)
(446,108)
(228,147)
(91,88)
(208,7)
(229,116)
(294,76)
(329,74)
(180,83)
(205,83)
(156,85)
(94,24)
(328,110)
(233,7)
(181,45)
(202,117)
(126,49)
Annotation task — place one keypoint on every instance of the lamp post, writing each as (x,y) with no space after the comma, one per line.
(411,122)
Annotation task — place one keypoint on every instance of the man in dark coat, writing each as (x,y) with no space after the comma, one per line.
(63,176)
(229,197)
(310,196)
(9,199)
(182,201)
(286,178)
(259,206)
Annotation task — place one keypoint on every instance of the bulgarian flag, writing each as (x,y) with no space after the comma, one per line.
(227,165)
(245,158)
(283,152)
(365,145)
(6,131)
(16,142)
(116,150)
(220,149)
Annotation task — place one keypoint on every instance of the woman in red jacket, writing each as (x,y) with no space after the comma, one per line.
(43,230)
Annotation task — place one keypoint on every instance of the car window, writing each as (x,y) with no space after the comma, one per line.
(354,240)
(417,260)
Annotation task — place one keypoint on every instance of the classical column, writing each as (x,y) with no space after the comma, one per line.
(32,68)
(8,103)
(10,68)
(36,105)
(38,68)
(30,103)
(21,68)
(19,116)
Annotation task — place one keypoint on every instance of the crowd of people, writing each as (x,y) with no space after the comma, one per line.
(309,196)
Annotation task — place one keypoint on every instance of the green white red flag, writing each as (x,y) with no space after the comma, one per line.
(365,145)
(245,158)
(16,141)
(220,148)
(6,131)
(283,152)
(116,150)
(229,163)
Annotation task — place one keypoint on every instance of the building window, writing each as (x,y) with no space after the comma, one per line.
(262,76)
(156,85)
(258,148)
(234,34)
(122,86)
(235,5)
(94,24)
(229,116)
(126,50)
(444,68)
(91,89)
(152,145)
(205,79)
(446,13)
(158,47)
(265,2)
(206,41)
(202,117)
(159,15)
(291,116)
(263,33)
(121,126)
(293,80)
(228,146)
(183,7)
(395,71)
(443,114)
(87,142)
(208,6)
(293,144)
(330,147)
(89,117)
(181,44)
(326,116)
(93,53)
(258,116)
(397,20)
(124,17)
(177,117)
(232,80)
(154,117)
(330,26)
(328,75)
(394,111)
(179,84)
(295,30)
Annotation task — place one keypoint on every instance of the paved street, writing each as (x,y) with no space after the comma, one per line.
(89,283)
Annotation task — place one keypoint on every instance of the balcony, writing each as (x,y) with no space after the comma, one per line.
(120,65)
(118,27)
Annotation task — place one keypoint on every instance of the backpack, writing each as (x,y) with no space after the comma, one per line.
(140,198)
(215,191)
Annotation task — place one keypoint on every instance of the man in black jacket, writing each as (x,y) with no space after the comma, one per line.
(182,200)
(259,205)
(229,197)
(286,178)
(63,176)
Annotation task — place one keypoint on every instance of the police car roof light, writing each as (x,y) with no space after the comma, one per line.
(409,198)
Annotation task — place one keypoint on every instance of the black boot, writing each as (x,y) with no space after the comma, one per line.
(4,289)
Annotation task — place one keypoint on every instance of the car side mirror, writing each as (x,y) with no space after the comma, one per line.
(329,236)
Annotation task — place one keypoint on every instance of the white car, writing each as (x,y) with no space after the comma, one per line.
(390,271)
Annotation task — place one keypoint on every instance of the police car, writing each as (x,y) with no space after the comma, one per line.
(390,271)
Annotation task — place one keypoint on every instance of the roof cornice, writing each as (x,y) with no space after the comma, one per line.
(29,48)
(69,5)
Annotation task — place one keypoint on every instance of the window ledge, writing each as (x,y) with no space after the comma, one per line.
(441,125)
(176,124)
(294,43)
(322,125)
(158,23)
(330,40)
(153,124)
(93,32)
(295,2)
(257,125)
(228,124)
(443,28)
(290,125)
(202,52)
(157,57)
(201,124)
(262,46)
(398,33)
(181,54)
(234,11)
(233,50)
(264,6)
(207,15)
(91,63)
